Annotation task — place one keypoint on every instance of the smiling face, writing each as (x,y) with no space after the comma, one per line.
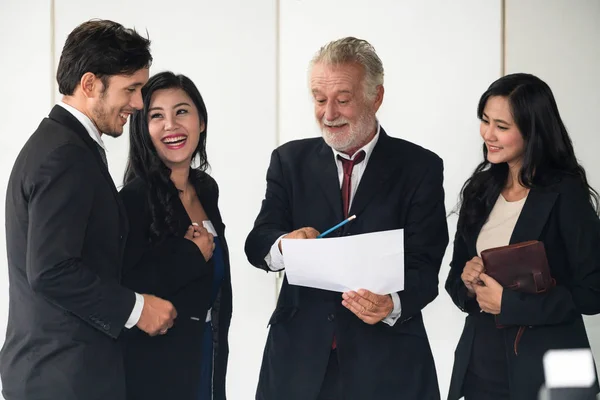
(502,137)
(111,106)
(174,125)
(345,115)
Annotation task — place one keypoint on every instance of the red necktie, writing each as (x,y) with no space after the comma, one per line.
(347,165)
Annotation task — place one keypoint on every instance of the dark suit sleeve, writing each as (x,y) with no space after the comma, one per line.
(274,218)
(159,269)
(580,231)
(60,202)
(454,284)
(425,241)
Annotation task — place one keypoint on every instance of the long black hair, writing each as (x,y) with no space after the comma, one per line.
(145,164)
(548,148)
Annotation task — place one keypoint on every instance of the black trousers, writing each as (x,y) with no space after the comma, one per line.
(331,389)
(482,394)
(478,389)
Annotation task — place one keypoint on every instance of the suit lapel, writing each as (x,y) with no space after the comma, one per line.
(377,172)
(209,204)
(324,171)
(65,118)
(208,199)
(531,221)
(534,215)
(472,242)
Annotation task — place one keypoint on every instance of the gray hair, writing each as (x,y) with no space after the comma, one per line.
(352,50)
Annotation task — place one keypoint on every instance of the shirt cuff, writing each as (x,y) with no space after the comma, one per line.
(136,313)
(395,314)
(274,259)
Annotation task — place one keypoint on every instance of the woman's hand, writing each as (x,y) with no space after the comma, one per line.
(203,239)
(489,295)
(471,273)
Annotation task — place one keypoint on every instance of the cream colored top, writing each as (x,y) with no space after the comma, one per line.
(500,225)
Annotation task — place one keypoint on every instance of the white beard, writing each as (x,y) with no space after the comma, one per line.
(356,136)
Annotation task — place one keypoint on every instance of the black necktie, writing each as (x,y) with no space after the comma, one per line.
(102,154)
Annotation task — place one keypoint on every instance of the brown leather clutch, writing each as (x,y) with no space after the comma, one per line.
(522,267)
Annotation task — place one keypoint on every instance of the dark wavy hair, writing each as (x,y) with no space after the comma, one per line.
(548,149)
(104,48)
(145,164)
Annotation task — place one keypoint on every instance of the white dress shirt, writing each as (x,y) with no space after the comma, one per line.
(274,258)
(92,130)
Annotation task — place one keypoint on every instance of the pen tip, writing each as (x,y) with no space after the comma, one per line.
(352,217)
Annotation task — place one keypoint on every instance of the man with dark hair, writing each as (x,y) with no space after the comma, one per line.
(66,231)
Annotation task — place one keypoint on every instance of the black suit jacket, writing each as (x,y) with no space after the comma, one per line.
(401,188)
(560,216)
(65,230)
(168,366)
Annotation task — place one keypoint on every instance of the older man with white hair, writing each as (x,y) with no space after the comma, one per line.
(325,345)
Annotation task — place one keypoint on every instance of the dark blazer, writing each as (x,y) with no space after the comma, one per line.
(168,366)
(401,188)
(560,216)
(65,231)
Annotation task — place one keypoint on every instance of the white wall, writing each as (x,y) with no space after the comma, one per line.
(244,56)
(559,41)
(25,97)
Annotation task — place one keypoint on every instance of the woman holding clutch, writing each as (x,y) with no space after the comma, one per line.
(529,186)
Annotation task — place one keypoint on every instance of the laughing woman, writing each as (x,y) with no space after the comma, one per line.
(176,247)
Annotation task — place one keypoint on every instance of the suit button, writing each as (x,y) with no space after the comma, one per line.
(330,317)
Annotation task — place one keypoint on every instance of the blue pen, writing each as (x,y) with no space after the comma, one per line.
(344,222)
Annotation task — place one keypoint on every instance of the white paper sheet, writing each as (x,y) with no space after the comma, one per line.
(372,261)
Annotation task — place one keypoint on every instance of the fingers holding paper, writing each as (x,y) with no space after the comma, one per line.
(369,307)
(489,294)
(302,233)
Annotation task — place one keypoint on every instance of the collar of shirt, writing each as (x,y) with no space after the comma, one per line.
(86,122)
(368,149)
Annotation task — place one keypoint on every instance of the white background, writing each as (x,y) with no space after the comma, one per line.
(249,60)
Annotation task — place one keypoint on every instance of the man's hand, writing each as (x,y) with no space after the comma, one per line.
(302,233)
(369,307)
(157,315)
